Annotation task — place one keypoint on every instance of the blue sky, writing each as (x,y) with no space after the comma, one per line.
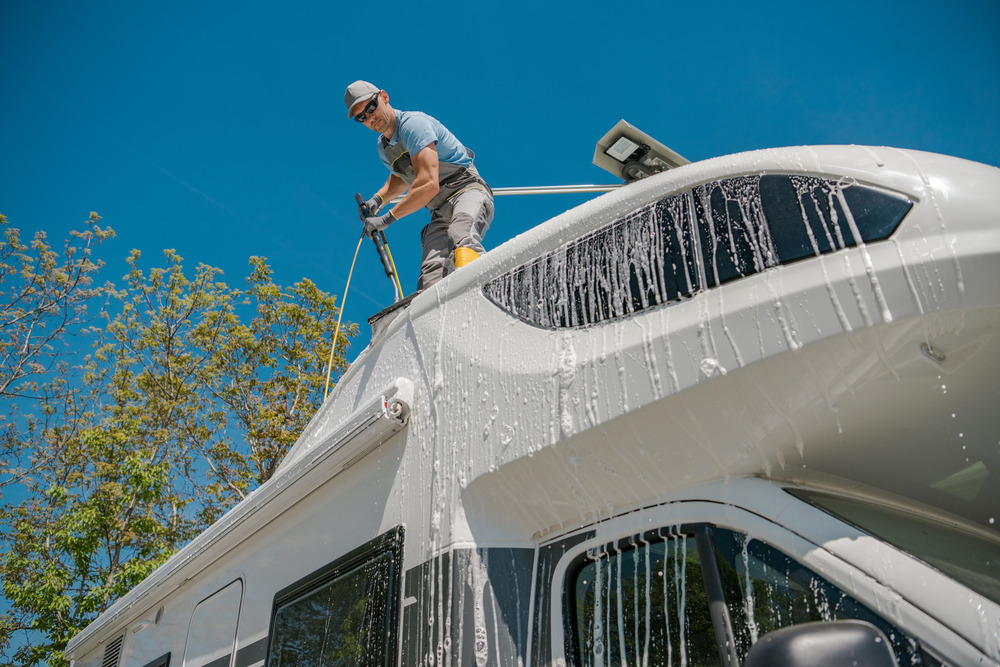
(218,128)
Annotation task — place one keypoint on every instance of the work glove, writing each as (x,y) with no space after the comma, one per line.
(379,222)
(370,207)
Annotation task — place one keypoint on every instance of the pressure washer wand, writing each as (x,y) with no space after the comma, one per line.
(379,239)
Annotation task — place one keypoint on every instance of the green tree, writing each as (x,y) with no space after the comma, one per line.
(194,392)
(44,294)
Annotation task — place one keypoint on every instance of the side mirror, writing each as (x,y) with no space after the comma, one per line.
(821,644)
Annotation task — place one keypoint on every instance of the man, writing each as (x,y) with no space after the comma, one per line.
(435,171)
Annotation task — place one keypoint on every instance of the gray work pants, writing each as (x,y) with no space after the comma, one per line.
(460,222)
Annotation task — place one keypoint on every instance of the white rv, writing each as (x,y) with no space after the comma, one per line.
(741,412)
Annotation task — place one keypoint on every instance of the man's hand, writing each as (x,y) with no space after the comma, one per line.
(370,207)
(379,222)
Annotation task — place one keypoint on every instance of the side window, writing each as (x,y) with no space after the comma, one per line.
(652,256)
(766,590)
(644,600)
(212,633)
(639,261)
(752,223)
(344,614)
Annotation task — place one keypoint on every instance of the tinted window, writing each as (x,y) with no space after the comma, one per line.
(766,590)
(643,600)
(752,223)
(642,260)
(650,257)
(346,614)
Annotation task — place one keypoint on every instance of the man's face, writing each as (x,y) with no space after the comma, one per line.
(373,110)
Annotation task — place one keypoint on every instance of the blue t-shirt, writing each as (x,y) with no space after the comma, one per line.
(416,130)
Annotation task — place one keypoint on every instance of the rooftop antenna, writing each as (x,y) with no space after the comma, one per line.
(631,154)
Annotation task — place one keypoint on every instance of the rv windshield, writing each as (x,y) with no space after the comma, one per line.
(971,558)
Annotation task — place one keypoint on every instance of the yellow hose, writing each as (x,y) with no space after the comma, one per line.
(343,302)
(395,273)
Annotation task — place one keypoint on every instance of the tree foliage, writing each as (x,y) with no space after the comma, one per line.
(44,294)
(191,394)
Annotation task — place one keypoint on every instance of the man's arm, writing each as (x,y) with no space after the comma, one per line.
(394,186)
(425,186)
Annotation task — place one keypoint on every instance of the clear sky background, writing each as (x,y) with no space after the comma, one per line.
(218,128)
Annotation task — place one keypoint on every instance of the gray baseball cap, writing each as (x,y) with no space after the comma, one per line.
(357,91)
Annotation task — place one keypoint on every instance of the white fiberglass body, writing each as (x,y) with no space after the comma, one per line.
(499,434)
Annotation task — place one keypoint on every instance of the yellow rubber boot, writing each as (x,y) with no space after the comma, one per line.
(463,256)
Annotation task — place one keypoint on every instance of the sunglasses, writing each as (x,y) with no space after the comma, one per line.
(369,109)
